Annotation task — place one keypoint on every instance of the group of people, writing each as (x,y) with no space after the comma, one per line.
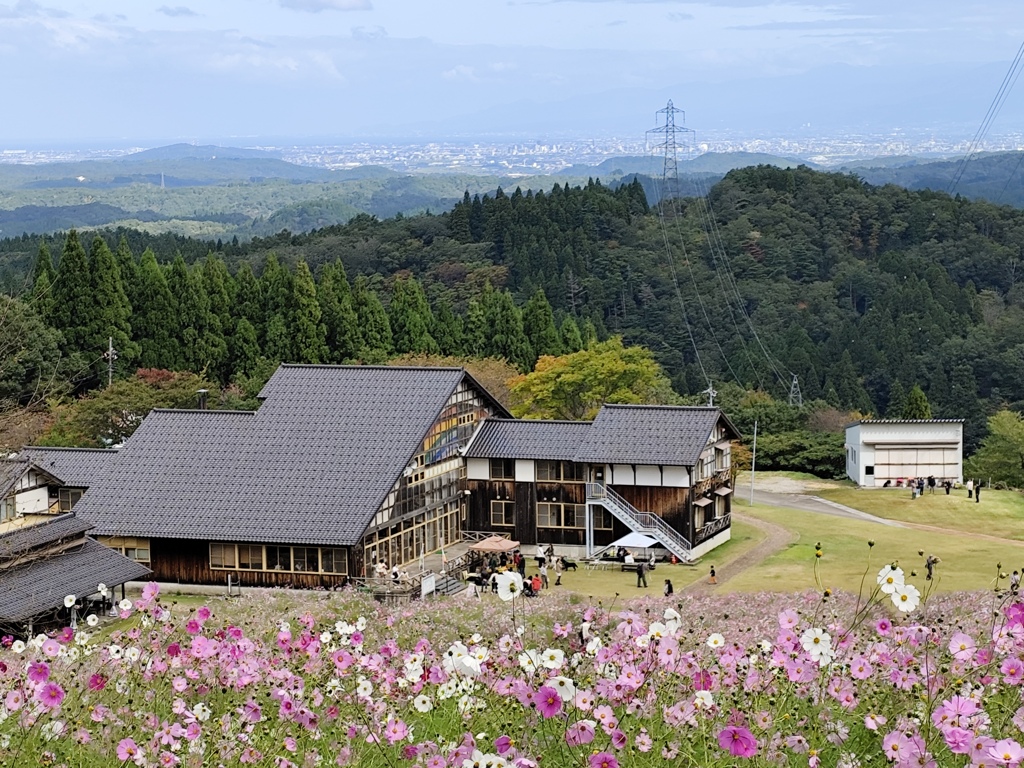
(397,576)
(917,486)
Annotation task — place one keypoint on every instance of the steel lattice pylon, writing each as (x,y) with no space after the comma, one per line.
(665,137)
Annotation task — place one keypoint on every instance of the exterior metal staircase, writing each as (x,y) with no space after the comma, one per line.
(646,523)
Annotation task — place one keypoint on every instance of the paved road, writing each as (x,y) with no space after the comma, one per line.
(776,538)
(810,503)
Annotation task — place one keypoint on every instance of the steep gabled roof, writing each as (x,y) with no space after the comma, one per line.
(528,439)
(40,586)
(650,434)
(12,470)
(76,467)
(311,466)
(34,535)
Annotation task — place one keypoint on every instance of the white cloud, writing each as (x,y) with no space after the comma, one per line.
(178,10)
(461,72)
(316,6)
(369,33)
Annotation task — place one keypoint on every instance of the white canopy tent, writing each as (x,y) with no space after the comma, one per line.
(631,541)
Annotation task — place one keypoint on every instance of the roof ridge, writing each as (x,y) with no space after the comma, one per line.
(68,448)
(223,411)
(491,419)
(449,368)
(663,406)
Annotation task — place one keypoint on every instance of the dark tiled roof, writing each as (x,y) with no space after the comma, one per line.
(40,587)
(527,439)
(311,466)
(34,535)
(650,434)
(76,467)
(905,421)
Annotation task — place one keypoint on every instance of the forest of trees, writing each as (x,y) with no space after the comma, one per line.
(863,292)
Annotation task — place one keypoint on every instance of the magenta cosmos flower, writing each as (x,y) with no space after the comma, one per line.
(549,703)
(127,749)
(738,741)
(603,760)
(50,695)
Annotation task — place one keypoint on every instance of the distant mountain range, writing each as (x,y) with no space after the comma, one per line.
(212,191)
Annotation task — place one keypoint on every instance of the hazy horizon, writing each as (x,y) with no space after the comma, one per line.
(256,70)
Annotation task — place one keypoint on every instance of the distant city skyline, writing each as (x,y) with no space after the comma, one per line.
(86,72)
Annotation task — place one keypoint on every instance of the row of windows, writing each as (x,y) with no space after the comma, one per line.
(404,541)
(256,557)
(503,513)
(546,471)
(131,547)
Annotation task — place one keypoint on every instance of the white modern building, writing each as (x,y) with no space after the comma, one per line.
(893,451)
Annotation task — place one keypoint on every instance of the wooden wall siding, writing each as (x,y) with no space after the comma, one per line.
(188,562)
(526,496)
(670,504)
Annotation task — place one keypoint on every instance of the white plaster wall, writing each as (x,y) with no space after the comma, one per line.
(525,471)
(478,469)
(676,477)
(34,502)
(622,475)
(715,541)
(647,474)
(864,437)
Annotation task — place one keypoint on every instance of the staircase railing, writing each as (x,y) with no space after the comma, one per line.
(641,522)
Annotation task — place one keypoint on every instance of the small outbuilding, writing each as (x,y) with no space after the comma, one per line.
(891,452)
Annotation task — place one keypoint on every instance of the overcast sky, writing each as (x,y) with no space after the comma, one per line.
(83,70)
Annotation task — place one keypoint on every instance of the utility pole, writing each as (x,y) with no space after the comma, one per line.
(665,137)
(753,464)
(110,356)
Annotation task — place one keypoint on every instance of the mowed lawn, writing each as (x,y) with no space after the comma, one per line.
(607,583)
(967,563)
(999,513)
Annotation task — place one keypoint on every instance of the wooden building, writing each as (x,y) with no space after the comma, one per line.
(45,554)
(892,452)
(343,467)
(660,470)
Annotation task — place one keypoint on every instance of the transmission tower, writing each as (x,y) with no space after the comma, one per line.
(667,137)
(795,398)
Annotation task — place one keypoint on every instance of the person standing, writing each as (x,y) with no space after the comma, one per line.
(668,587)
(544,576)
(641,574)
(977,492)
(559,568)
(711,577)
(948,486)
(970,488)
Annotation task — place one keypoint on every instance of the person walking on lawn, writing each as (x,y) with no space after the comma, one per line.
(559,568)
(641,573)
(977,492)
(711,576)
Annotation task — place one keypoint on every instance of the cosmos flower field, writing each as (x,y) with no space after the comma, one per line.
(893,677)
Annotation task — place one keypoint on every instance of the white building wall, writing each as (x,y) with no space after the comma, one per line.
(525,471)
(904,450)
(647,474)
(622,474)
(34,502)
(676,477)
(478,469)
(715,541)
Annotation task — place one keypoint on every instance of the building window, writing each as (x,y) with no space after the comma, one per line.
(503,513)
(305,559)
(130,547)
(8,509)
(279,558)
(67,498)
(560,472)
(222,555)
(603,520)
(561,515)
(721,459)
(250,557)
(503,469)
(334,560)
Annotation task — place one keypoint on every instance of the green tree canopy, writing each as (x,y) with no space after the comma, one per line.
(153,320)
(917,406)
(575,386)
(309,336)
(372,321)
(410,317)
(1001,456)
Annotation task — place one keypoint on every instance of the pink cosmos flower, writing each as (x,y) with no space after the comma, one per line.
(203,614)
(883,627)
(737,741)
(151,590)
(51,647)
(603,760)
(14,700)
(897,746)
(502,744)
(50,696)
(127,749)
(548,702)
(619,739)
(395,731)
(38,671)
(579,733)
(1013,671)
(97,682)
(788,619)
(1007,752)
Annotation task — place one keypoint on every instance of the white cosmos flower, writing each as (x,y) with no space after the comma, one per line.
(566,687)
(361,623)
(510,585)
(890,578)
(906,598)
(133,654)
(115,651)
(553,658)
(364,688)
(18,646)
(69,601)
(716,640)
(102,589)
(422,703)
(476,638)
(125,605)
(530,661)
(673,620)
(703,700)
(325,637)
(815,641)
(657,630)
(92,619)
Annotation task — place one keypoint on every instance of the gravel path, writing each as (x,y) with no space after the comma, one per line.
(776,539)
